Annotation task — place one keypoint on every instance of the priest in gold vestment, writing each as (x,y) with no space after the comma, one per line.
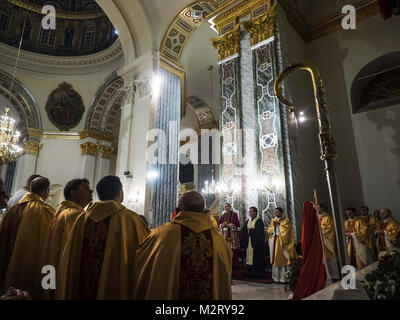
(98,261)
(357,239)
(281,245)
(78,195)
(329,240)
(185,259)
(373,224)
(388,235)
(23,240)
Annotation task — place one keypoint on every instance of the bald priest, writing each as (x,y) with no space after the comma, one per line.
(185,259)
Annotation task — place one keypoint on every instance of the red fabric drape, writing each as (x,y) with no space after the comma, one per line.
(312,275)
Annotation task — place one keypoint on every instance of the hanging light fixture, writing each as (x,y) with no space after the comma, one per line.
(211,188)
(9,148)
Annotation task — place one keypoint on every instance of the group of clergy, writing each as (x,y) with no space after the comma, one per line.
(102,250)
(252,239)
(369,236)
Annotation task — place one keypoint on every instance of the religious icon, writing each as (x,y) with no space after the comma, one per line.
(65,107)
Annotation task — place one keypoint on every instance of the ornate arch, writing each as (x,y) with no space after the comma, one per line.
(104,112)
(23,101)
(183,26)
(203,112)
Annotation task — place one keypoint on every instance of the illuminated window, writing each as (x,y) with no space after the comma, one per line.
(89,39)
(48,37)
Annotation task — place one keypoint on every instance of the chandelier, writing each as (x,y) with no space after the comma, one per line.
(9,150)
(211,188)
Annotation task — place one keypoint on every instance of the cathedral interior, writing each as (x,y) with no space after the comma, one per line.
(178,95)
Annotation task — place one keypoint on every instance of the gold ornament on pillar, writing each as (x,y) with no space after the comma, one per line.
(106,152)
(228,44)
(261,28)
(89,148)
(32,147)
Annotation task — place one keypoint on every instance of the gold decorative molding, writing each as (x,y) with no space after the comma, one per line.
(59,14)
(333,23)
(233,10)
(327,25)
(106,152)
(89,148)
(261,28)
(95,135)
(32,147)
(228,44)
(66,135)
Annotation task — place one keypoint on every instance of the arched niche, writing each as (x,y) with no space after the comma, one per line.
(377,85)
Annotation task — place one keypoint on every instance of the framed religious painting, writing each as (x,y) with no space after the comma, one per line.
(65,107)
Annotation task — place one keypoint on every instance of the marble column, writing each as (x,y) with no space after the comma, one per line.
(167,121)
(256,158)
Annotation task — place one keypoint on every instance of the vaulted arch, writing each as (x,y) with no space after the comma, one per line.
(105,110)
(23,102)
(182,27)
(203,112)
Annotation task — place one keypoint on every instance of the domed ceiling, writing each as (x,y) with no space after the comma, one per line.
(82,28)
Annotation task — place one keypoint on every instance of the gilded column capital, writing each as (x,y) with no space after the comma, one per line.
(106,152)
(32,147)
(228,44)
(89,148)
(261,28)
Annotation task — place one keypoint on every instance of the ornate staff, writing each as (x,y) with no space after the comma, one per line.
(327,146)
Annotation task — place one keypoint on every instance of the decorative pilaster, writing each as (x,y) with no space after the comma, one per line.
(106,152)
(251,122)
(89,148)
(261,28)
(228,45)
(32,147)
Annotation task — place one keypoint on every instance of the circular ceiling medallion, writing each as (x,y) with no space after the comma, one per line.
(65,107)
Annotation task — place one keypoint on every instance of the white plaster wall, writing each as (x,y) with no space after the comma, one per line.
(368,162)
(60,160)
(197,56)
(378,145)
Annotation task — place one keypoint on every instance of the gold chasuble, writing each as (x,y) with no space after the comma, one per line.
(328,233)
(98,261)
(60,229)
(281,242)
(357,241)
(186,259)
(372,224)
(389,240)
(23,240)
